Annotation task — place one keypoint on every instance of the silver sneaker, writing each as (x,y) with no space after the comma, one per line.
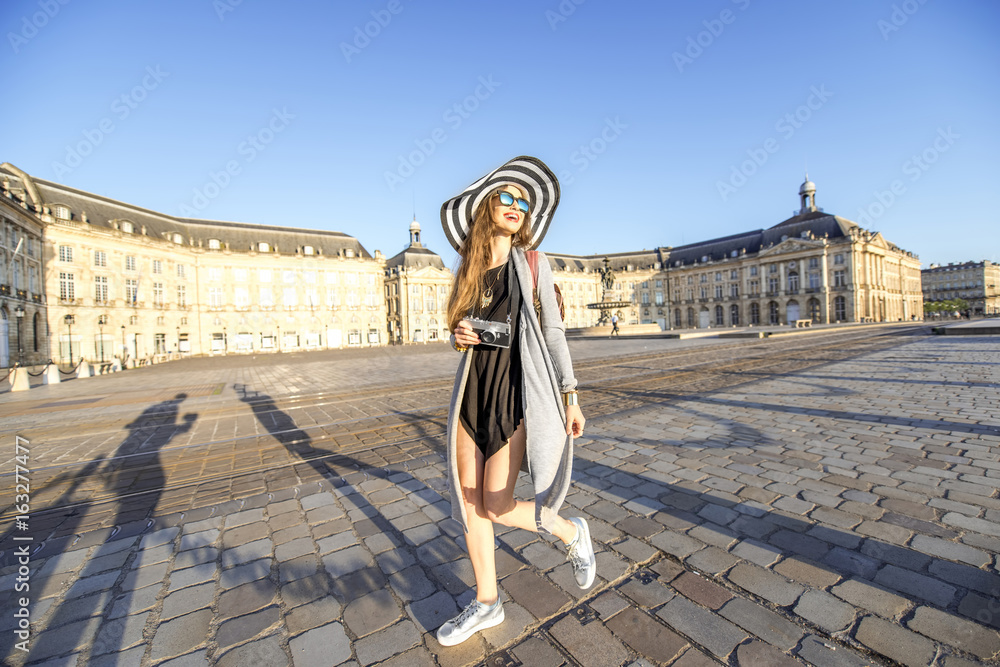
(475,617)
(580,554)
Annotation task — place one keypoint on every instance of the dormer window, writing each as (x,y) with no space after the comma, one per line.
(308,250)
(214,244)
(349,252)
(178,239)
(127,227)
(61,212)
(263,247)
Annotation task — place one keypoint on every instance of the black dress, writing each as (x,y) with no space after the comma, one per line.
(492,406)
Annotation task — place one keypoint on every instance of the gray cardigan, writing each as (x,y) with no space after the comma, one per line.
(547,371)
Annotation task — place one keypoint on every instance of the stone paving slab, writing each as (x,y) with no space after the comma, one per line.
(787,564)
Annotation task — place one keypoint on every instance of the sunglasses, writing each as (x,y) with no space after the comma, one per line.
(507,199)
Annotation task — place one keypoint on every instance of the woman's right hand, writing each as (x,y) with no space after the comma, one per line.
(464,335)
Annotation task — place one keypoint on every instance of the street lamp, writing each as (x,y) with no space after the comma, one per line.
(225,340)
(100,325)
(19,311)
(279,338)
(69,320)
(123,346)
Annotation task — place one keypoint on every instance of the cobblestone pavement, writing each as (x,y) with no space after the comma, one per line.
(827,500)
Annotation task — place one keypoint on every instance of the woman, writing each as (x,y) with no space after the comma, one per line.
(510,402)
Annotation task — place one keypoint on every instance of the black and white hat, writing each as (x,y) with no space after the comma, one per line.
(528,173)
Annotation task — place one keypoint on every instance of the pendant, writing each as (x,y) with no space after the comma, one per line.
(487,298)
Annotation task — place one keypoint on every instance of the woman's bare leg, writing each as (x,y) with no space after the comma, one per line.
(479,539)
(499,478)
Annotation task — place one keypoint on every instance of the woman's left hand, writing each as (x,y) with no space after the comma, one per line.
(574,421)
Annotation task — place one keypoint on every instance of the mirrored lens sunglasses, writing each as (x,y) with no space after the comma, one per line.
(507,199)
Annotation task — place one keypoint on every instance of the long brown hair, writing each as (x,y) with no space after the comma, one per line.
(476,255)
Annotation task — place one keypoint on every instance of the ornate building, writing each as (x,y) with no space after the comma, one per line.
(976,282)
(118,277)
(82,274)
(417,286)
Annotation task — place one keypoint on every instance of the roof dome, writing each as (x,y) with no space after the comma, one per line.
(414,226)
(808,187)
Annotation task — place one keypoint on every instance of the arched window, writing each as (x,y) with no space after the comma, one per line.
(691,318)
(793,281)
(814,311)
(734,315)
(773,314)
(677,317)
(754,313)
(720,316)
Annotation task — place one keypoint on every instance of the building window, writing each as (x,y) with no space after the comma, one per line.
(180,271)
(100,258)
(67,287)
(840,308)
(690,280)
(838,259)
(330,278)
(214,244)
(793,281)
(677,318)
(215,274)
(704,292)
(157,294)
(133,320)
(240,275)
(773,285)
(754,313)
(720,316)
(264,276)
(814,262)
(101,289)
(645,298)
(131,290)
(718,276)
(65,253)
(753,271)
(160,343)
(772,268)
(178,239)
(704,278)
(658,297)
(718,291)
(61,212)
(266,297)
(215,297)
(734,290)
(814,282)
(308,250)
(840,278)
(181,296)
(290,297)
(127,227)
(773,315)
(734,315)
(157,266)
(241,297)
(130,263)
(263,247)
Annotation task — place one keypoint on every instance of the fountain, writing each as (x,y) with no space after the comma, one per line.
(611,301)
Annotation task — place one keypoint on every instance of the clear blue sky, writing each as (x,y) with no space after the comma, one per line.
(671,98)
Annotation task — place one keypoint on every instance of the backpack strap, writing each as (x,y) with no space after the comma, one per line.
(532,257)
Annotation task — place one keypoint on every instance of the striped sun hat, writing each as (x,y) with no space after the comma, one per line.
(530,174)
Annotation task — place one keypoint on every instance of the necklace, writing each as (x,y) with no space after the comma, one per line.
(488,292)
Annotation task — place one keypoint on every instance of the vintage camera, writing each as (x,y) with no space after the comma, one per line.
(492,333)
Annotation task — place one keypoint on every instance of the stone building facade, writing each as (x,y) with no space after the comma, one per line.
(118,278)
(417,286)
(84,275)
(978,283)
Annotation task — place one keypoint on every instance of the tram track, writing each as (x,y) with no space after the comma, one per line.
(609,395)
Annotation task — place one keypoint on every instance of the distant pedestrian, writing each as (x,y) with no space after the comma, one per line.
(614,325)
(515,365)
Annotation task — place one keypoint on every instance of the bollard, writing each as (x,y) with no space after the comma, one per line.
(83,370)
(51,375)
(19,379)
(131,363)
